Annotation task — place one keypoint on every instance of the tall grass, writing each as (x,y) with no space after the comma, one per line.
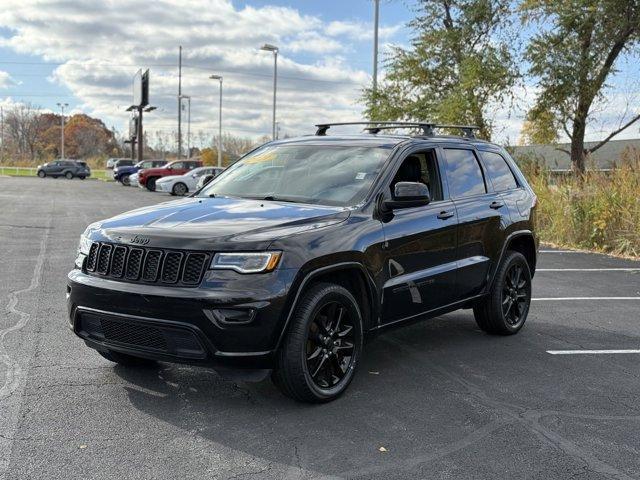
(600,212)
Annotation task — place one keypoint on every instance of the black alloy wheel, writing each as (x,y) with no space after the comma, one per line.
(515,295)
(319,355)
(504,310)
(330,345)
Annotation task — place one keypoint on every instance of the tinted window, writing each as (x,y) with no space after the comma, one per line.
(464,173)
(500,173)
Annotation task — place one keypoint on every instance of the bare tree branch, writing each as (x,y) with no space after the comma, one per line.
(613,134)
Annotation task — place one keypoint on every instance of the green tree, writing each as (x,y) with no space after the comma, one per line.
(573,56)
(456,69)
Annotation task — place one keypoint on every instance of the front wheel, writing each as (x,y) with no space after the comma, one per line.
(319,355)
(504,310)
(125,181)
(179,189)
(68,175)
(151,184)
(41,174)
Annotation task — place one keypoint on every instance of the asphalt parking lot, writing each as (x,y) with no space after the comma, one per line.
(438,399)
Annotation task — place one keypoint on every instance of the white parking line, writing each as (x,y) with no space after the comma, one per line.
(558,251)
(561,299)
(617,269)
(590,352)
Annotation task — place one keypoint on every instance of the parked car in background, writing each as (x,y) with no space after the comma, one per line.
(111,162)
(64,168)
(204,179)
(132,180)
(183,184)
(122,171)
(147,177)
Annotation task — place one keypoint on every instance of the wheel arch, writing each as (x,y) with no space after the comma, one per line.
(522,241)
(351,275)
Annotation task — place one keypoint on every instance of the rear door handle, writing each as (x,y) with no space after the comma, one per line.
(496,205)
(444,215)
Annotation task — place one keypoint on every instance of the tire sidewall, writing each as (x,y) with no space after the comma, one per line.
(514,258)
(330,294)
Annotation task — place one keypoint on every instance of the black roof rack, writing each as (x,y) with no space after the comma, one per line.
(375,127)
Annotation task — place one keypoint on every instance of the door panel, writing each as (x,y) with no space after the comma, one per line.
(480,236)
(420,260)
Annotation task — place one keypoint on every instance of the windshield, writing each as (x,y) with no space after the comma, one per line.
(326,175)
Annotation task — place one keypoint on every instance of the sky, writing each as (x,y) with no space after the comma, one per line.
(85,53)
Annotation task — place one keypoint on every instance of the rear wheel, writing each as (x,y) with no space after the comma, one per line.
(124,359)
(504,310)
(151,184)
(42,174)
(68,175)
(319,355)
(179,189)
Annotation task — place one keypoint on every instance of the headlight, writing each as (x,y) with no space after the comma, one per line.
(85,244)
(247,262)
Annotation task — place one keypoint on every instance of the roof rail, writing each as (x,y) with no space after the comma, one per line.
(375,127)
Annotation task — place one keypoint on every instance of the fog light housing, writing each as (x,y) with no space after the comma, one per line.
(231,316)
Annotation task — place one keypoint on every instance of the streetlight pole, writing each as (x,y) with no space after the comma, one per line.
(62,107)
(188,123)
(219,77)
(272,48)
(376,18)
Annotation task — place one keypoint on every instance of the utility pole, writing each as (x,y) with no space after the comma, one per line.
(218,77)
(62,106)
(180,103)
(376,18)
(272,48)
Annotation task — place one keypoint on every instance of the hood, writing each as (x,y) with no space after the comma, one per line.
(215,223)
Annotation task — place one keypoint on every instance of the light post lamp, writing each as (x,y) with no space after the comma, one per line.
(188,97)
(272,48)
(219,77)
(62,107)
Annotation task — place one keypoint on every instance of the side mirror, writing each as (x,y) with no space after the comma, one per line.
(408,195)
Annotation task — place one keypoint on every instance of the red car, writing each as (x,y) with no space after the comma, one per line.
(147,177)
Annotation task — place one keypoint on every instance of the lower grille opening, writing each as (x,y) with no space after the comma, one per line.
(136,335)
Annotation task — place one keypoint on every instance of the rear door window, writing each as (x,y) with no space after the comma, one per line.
(464,173)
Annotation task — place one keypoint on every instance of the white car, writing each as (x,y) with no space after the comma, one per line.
(204,179)
(183,184)
(133,180)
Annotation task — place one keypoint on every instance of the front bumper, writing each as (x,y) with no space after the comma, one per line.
(230,320)
(162,187)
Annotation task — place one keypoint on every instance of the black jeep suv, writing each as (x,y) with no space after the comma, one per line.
(286,260)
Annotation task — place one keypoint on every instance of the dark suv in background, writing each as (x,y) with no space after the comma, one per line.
(286,260)
(64,168)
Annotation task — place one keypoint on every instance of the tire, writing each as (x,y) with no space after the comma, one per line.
(125,181)
(126,360)
(41,174)
(68,175)
(315,351)
(82,177)
(151,184)
(179,189)
(505,308)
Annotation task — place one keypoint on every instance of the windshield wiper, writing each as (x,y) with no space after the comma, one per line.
(212,195)
(272,198)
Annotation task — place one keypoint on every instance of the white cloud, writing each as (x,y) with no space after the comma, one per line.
(360,31)
(6,80)
(99,48)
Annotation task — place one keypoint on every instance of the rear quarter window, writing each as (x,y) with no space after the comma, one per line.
(501,175)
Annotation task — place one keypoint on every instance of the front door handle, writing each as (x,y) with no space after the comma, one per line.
(496,205)
(444,215)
